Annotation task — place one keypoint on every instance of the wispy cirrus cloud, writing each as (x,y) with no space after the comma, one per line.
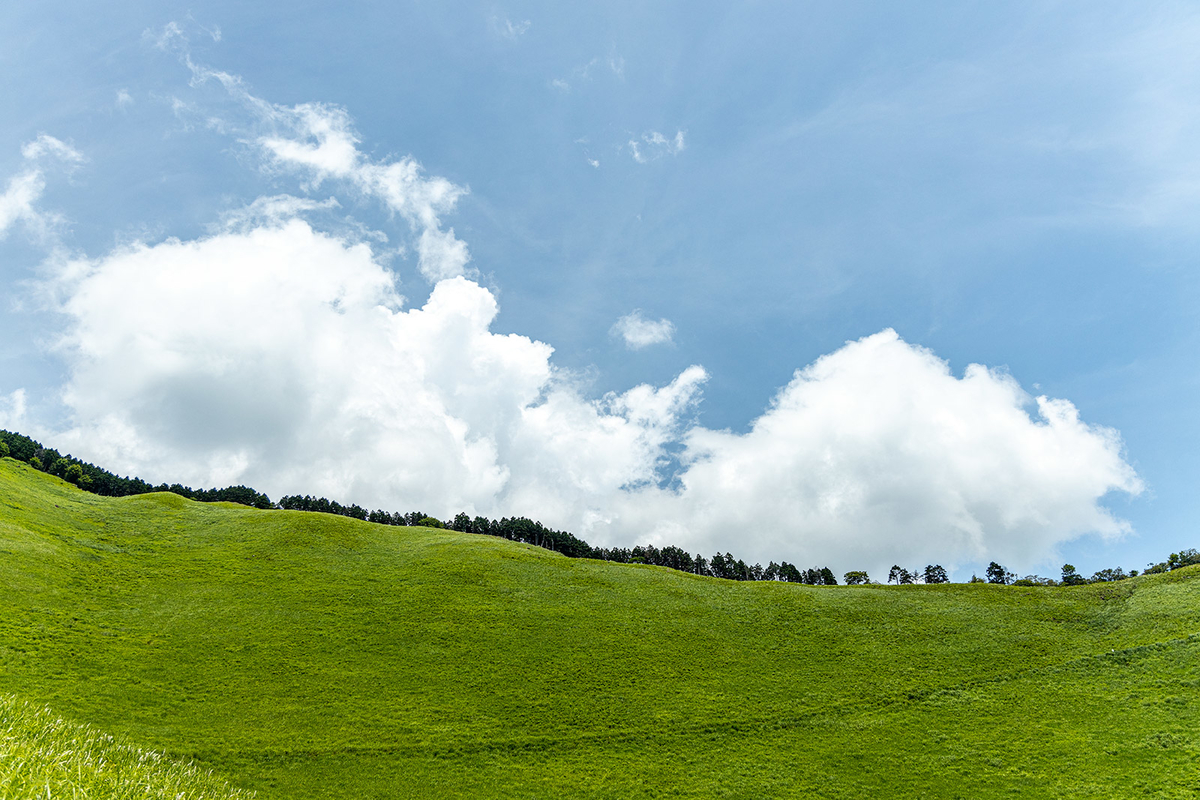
(272,210)
(613,64)
(18,204)
(505,28)
(1114,101)
(44,146)
(585,144)
(653,145)
(318,141)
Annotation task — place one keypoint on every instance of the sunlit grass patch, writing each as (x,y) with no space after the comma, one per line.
(43,756)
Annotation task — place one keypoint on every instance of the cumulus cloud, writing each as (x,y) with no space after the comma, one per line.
(878,454)
(273,353)
(654,145)
(280,356)
(638,332)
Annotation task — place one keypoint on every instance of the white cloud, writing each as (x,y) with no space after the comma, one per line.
(124,99)
(19,201)
(614,62)
(639,332)
(173,36)
(45,145)
(12,411)
(876,454)
(583,142)
(170,36)
(654,145)
(319,141)
(281,357)
(507,29)
(316,138)
(273,210)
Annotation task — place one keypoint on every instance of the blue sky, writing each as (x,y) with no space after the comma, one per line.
(1015,186)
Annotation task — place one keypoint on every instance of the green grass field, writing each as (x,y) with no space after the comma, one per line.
(305,655)
(43,757)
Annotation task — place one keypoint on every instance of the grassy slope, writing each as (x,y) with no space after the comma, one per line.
(307,655)
(44,757)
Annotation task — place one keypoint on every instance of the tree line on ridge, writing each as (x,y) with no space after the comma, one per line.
(100,481)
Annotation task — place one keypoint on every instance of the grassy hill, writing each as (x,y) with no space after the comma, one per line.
(306,655)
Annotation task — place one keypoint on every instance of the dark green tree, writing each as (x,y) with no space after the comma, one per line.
(74,474)
(1108,575)
(1184,558)
(856,577)
(1070,577)
(790,573)
(741,571)
(998,574)
(935,573)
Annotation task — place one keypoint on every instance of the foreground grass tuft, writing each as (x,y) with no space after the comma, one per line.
(44,757)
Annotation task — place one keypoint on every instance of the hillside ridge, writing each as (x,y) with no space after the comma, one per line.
(307,655)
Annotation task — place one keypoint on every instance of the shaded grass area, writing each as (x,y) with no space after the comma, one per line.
(43,757)
(306,655)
